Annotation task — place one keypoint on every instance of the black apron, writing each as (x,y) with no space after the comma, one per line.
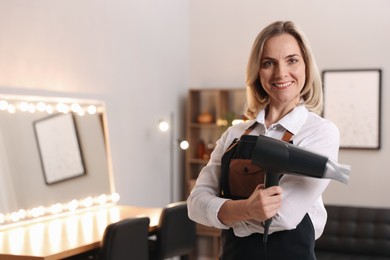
(239,178)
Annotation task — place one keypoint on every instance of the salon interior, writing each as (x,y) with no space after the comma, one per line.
(117,69)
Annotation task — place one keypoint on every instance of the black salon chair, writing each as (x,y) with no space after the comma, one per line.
(126,240)
(175,234)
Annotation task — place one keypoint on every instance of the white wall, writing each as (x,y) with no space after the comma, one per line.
(132,54)
(344,34)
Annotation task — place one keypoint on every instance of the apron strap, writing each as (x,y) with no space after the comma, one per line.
(287,136)
(249,129)
(235,141)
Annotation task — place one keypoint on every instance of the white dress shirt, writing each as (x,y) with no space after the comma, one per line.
(301,194)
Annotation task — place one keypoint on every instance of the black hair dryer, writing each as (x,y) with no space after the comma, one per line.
(277,157)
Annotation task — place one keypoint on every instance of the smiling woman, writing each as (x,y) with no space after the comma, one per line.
(232,194)
(24,192)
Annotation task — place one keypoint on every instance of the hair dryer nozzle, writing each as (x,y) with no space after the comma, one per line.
(337,171)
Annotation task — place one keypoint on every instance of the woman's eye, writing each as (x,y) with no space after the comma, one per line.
(292,60)
(267,64)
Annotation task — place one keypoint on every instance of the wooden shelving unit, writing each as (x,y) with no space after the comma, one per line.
(221,107)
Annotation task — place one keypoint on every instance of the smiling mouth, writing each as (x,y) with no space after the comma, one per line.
(282,85)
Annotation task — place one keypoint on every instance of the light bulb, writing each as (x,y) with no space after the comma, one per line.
(102,199)
(23,106)
(75,107)
(73,205)
(91,109)
(15,217)
(11,109)
(49,109)
(56,208)
(41,106)
(31,108)
(63,108)
(184,144)
(115,197)
(3,105)
(87,202)
(22,213)
(163,126)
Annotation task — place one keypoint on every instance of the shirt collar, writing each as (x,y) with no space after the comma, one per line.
(292,122)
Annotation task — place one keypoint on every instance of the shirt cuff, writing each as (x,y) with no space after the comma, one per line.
(212,212)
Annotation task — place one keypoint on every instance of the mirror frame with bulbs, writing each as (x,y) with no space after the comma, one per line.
(48,106)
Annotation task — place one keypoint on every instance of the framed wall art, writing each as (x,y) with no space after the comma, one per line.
(59,148)
(353,102)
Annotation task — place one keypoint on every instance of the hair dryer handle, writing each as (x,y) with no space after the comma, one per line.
(270,179)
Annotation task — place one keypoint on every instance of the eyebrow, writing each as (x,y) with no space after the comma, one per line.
(288,56)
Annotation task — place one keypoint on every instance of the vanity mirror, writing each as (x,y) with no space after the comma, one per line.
(25,191)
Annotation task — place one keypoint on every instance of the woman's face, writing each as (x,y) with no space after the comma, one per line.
(282,70)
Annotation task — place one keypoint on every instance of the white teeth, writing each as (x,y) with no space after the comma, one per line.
(282,85)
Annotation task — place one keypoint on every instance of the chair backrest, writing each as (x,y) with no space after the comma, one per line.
(126,239)
(176,234)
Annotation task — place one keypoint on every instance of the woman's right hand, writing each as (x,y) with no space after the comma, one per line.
(264,203)
(261,205)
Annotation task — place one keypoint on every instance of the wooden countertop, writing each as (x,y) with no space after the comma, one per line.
(66,236)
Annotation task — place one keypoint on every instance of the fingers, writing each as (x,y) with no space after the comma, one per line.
(271,201)
(264,203)
(272,191)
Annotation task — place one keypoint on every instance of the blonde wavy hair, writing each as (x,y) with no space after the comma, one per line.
(257,98)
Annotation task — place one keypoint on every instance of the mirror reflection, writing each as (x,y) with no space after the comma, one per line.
(23,190)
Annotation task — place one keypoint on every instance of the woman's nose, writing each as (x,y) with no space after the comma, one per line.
(281,71)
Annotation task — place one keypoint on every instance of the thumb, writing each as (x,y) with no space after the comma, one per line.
(260,187)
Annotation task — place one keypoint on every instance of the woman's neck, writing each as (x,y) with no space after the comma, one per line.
(274,113)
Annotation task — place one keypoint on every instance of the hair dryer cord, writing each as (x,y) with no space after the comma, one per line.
(267,223)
